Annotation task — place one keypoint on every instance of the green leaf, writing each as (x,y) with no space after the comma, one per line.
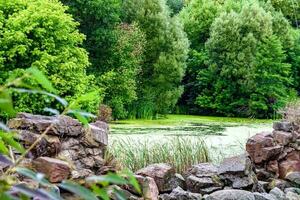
(120,195)
(38,177)
(6,104)
(8,138)
(101,192)
(38,193)
(109,178)
(3,148)
(132,181)
(41,79)
(4,127)
(78,190)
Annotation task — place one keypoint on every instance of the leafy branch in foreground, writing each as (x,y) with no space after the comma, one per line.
(98,186)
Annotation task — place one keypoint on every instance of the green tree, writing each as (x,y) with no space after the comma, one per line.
(120,82)
(164,58)
(38,33)
(197,18)
(175,6)
(245,57)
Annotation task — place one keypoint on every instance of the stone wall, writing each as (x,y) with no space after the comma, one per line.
(68,148)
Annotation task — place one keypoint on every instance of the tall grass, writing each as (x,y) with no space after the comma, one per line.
(179,152)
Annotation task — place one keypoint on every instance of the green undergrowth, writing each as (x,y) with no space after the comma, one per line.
(179,152)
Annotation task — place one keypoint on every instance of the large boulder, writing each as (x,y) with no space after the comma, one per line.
(163,175)
(55,170)
(261,147)
(231,195)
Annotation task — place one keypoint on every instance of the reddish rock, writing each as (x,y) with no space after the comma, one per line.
(162,175)
(148,187)
(288,166)
(259,146)
(283,138)
(55,170)
(273,167)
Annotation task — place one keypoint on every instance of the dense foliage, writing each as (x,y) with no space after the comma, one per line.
(242,57)
(38,33)
(163,65)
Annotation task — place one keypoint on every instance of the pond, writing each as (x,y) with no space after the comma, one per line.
(223,136)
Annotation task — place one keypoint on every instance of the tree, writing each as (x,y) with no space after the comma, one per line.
(245,56)
(38,33)
(115,50)
(175,6)
(197,18)
(164,58)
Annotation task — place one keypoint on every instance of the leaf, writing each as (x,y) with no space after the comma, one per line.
(30,192)
(4,160)
(38,177)
(78,190)
(41,79)
(59,99)
(3,148)
(4,127)
(100,192)
(110,178)
(6,104)
(52,111)
(120,195)
(78,116)
(8,138)
(132,181)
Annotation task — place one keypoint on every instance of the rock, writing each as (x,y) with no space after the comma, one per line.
(292,196)
(81,173)
(239,182)
(257,143)
(235,165)
(263,174)
(54,169)
(148,187)
(282,138)
(294,177)
(61,125)
(263,196)
(179,194)
(272,166)
(270,153)
(127,195)
(279,183)
(162,174)
(288,166)
(277,193)
(70,143)
(96,134)
(283,126)
(203,185)
(292,189)
(203,169)
(231,195)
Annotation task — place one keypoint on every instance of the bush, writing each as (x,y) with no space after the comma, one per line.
(38,33)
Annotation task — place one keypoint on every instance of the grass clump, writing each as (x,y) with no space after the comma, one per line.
(179,152)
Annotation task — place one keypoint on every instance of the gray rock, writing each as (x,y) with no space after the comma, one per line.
(179,194)
(294,177)
(263,196)
(238,182)
(292,196)
(203,185)
(97,134)
(203,170)
(277,194)
(283,126)
(292,189)
(61,125)
(235,165)
(231,195)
